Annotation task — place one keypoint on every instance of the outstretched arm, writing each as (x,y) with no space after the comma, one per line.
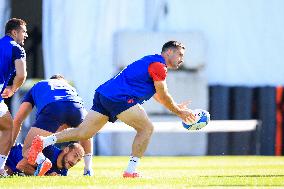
(23,112)
(163,97)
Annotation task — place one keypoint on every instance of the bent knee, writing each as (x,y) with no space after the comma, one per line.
(150,129)
(146,129)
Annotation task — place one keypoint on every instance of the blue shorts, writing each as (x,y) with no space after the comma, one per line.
(15,157)
(55,114)
(110,108)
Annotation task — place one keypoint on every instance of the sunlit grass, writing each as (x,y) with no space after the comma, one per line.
(167,172)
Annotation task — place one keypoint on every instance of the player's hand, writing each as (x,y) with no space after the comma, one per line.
(7,92)
(187,116)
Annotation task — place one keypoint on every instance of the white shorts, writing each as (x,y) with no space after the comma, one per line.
(3,108)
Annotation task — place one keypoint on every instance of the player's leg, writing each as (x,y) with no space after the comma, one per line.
(6,125)
(137,118)
(93,122)
(74,117)
(47,122)
(95,119)
(43,164)
(88,147)
(34,131)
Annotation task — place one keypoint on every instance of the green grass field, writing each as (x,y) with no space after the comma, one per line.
(167,172)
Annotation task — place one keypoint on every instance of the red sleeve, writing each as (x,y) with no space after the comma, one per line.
(158,71)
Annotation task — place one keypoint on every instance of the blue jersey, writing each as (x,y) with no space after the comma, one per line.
(133,82)
(52,153)
(9,52)
(49,91)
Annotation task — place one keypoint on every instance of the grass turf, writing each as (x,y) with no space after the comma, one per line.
(167,172)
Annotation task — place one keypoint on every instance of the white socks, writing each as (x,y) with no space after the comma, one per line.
(50,140)
(3,159)
(40,158)
(88,161)
(133,162)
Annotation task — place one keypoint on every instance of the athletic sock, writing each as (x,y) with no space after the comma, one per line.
(50,140)
(3,159)
(40,158)
(133,162)
(88,161)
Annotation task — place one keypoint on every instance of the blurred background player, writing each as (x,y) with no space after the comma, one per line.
(12,60)
(58,107)
(120,98)
(62,160)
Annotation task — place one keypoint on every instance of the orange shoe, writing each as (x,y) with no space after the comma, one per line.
(35,149)
(43,167)
(131,175)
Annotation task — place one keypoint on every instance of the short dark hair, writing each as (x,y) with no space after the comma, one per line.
(57,76)
(13,24)
(172,44)
(74,145)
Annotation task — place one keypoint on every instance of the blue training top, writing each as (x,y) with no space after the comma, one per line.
(49,91)
(9,52)
(133,81)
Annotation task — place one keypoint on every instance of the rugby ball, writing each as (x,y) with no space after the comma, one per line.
(202,118)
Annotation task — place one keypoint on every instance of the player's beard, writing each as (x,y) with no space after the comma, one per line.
(63,161)
(176,65)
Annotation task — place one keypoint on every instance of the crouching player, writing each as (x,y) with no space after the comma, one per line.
(58,107)
(61,160)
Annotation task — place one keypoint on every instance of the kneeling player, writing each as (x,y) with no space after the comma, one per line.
(61,160)
(58,107)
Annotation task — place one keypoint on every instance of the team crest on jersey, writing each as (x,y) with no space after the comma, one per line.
(130,101)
